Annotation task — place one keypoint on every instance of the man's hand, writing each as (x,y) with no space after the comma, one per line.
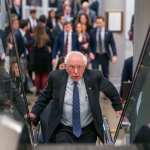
(91,56)
(33,118)
(114,59)
(54,61)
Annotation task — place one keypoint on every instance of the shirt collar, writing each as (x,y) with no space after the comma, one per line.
(22,32)
(68,32)
(103,29)
(72,81)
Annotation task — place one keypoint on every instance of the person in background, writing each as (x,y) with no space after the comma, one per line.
(84,19)
(67,12)
(84,42)
(103,46)
(22,43)
(59,27)
(15,74)
(127,72)
(52,21)
(131,31)
(53,3)
(41,58)
(66,41)
(94,5)
(60,63)
(126,78)
(85,8)
(72,96)
(17,8)
(8,36)
(32,20)
(43,22)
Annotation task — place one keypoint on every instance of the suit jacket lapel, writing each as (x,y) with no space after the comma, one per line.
(106,34)
(63,84)
(89,89)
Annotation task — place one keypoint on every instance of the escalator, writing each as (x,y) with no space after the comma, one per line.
(136,109)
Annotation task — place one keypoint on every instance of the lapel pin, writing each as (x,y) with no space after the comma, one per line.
(90,88)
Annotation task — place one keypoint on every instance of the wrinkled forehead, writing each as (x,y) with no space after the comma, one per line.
(75,60)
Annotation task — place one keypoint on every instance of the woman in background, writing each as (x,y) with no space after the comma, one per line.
(41,58)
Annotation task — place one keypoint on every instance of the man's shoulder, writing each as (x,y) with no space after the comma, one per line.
(93,72)
(108,32)
(17,33)
(57,73)
(93,30)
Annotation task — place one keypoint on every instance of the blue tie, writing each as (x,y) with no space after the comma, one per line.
(76,111)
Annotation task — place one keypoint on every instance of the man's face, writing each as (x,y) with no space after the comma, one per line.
(67,27)
(33,15)
(15,24)
(17,2)
(75,67)
(100,23)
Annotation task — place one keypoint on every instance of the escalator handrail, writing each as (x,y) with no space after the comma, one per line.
(128,100)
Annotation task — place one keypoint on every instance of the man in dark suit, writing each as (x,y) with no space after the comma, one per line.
(126,76)
(102,45)
(33,21)
(20,36)
(17,9)
(23,42)
(66,41)
(72,97)
(59,27)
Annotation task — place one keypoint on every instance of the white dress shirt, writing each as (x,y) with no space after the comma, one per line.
(85,113)
(69,47)
(33,22)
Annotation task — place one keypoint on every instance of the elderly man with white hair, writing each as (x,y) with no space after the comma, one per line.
(72,97)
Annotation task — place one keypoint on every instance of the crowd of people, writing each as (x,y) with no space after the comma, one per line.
(42,40)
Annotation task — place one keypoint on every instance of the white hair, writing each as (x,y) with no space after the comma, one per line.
(76,53)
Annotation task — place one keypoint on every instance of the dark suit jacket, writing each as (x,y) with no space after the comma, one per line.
(56,31)
(126,76)
(59,44)
(50,23)
(108,42)
(20,43)
(14,11)
(127,69)
(54,95)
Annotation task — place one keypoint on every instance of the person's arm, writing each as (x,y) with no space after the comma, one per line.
(44,98)
(111,92)
(56,46)
(113,48)
(91,41)
(113,44)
